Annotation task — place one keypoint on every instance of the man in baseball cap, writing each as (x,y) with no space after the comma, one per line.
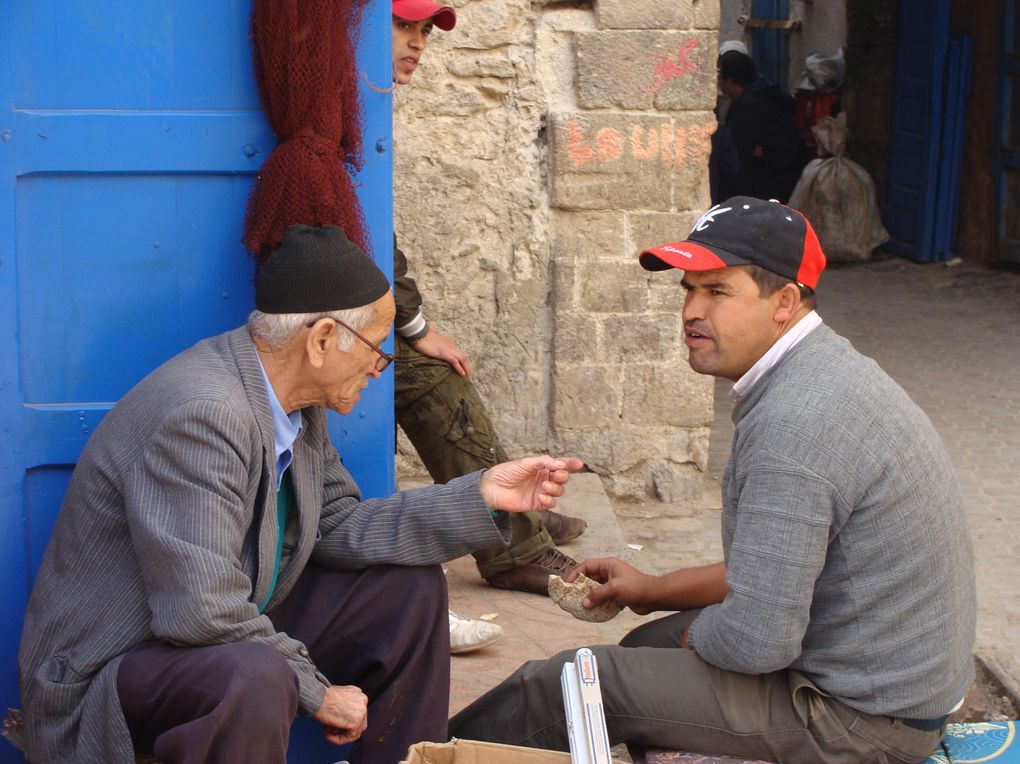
(839,626)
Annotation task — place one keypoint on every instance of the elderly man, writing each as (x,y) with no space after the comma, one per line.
(213,570)
(840,624)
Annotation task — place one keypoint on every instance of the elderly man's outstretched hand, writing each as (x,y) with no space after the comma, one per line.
(527,484)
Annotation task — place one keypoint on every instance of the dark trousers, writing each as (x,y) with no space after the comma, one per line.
(384,629)
(446,421)
(657,695)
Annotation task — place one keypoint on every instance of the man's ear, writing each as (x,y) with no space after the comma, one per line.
(318,341)
(788,303)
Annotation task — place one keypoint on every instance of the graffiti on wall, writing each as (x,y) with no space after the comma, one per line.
(667,69)
(670,144)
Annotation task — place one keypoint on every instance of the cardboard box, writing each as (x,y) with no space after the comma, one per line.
(477,752)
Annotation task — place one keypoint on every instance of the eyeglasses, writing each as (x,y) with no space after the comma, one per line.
(384,359)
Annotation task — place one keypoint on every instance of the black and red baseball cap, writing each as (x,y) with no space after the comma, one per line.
(443,16)
(745,231)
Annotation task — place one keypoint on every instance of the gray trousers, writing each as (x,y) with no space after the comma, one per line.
(657,695)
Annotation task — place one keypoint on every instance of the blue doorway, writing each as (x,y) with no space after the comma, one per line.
(130,134)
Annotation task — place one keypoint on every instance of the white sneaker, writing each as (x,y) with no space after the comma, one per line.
(467,635)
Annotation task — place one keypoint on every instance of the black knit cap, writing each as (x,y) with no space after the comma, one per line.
(317,270)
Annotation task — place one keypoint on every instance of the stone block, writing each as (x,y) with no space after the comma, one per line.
(648,229)
(586,236)
(666,394)
(665,294)
(498,65)
(643,14)
(612,288)
(642,338)
(677,481)
(603,162)
(576,338)
(667,71)
(585,396)
(564,286)
(706,14)
(690,166)
(621,450)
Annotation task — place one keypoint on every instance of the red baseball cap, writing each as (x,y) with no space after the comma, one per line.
(443,16)
(745,231)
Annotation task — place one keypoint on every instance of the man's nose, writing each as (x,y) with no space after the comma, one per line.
(374,373)
(693,307)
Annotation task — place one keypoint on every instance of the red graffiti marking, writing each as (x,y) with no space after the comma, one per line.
(580,152)
(669,144)
(667,69)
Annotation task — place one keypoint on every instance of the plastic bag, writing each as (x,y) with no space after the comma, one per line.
(823,73)
(838,196)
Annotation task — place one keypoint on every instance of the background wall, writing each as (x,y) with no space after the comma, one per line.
(539,147)
(823,29)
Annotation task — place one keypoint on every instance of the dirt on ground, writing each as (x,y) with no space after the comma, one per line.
(987,700)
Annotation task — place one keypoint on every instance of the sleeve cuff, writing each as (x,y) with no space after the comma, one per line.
(414,329)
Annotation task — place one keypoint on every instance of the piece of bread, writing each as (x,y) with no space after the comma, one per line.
(571,596)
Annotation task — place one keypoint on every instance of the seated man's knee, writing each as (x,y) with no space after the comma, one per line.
(254,668)
(423,586)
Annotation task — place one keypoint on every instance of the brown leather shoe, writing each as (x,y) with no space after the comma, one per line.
(562,528)
(534,577)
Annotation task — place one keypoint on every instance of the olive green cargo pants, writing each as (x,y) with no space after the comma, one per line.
(444,418)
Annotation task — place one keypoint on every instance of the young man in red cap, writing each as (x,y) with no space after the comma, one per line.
(839,626)
(437,404)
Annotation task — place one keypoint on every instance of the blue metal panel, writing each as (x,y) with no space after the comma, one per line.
(921,48)
(129,136)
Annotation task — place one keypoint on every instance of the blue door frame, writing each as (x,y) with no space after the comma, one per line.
(130,134)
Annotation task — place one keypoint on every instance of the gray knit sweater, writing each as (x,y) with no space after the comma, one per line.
(846,546)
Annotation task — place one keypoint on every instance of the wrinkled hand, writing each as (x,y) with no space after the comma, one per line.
(442,348)
(528,484)
(620,582)
(344,714)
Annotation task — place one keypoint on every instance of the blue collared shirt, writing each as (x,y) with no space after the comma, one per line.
(286,429)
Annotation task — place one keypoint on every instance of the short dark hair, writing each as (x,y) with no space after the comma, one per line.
(738,67)
(769,283)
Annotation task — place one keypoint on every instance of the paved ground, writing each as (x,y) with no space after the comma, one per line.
(950,336)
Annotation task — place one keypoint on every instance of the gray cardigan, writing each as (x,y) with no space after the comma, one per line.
(845,540)
(168,531)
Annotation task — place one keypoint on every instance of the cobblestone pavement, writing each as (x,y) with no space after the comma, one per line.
(951,337)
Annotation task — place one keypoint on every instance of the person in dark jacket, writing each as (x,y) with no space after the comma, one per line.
(770,147)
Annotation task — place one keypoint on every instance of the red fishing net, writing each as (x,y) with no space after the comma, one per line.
(306,72)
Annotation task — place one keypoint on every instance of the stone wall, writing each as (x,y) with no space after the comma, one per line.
(539,147)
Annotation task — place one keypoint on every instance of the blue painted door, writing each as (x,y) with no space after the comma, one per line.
(921,50)
(129,137)
(1008,136)
(770,48)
